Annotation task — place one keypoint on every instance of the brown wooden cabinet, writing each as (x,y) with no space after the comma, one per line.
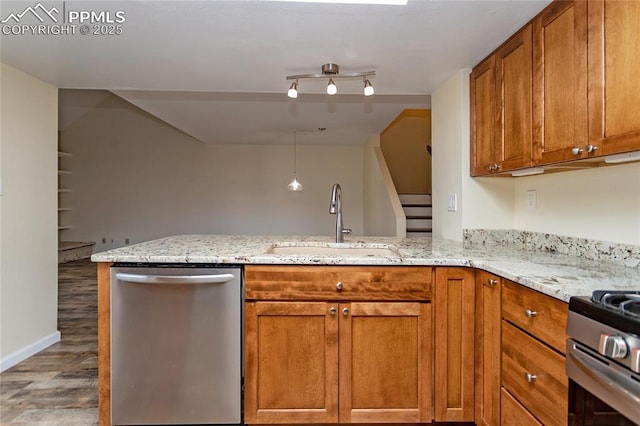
(563,88)
(385,362)
(614,85)
(533,362)
(341,360)
(488,321)
(483,117)
(560,82)
(291,362)
(501,120)
(454,344)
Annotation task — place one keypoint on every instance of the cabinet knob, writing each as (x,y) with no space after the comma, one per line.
(529,313)
(345,311)
(530,378)
(591,148)
(492,282)
(332,310)
(577,151)
(490,167)
(339,285)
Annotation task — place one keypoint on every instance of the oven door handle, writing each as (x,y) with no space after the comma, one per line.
(617,390)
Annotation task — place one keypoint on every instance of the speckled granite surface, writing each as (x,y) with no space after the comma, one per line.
(555,274)
(621,254)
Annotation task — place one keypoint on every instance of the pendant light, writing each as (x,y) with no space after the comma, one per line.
(295,184)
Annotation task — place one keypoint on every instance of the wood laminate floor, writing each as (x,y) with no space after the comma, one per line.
(59,385)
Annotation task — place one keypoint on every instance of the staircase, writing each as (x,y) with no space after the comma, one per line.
(417,209)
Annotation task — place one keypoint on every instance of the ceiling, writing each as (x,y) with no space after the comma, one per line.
(216,69)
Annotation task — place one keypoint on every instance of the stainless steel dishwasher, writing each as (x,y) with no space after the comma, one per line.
(175,344)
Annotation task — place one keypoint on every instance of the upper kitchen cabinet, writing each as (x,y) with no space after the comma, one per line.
(483,114)
(614,85)
(501,121)
(560,83)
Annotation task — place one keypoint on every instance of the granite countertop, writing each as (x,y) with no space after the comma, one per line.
(557,275)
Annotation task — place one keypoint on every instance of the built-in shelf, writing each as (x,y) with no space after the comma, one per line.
(64,190)
(63,227)
(64,172)
(63,154)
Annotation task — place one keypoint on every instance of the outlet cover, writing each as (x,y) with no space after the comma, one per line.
(452,205)
(532,199)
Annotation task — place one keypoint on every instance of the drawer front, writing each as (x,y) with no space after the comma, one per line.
(513,413)
(536,313)
(276,282)
(545,394)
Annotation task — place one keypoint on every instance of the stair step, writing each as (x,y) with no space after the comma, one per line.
(413,234)
(417,211)
(415,199)
(419,224)
(74,250)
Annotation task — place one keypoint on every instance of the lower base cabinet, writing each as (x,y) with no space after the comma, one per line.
(317,362)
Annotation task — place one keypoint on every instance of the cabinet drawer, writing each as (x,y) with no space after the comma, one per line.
(546,394)
(536,313)
(515,414)
(270,282)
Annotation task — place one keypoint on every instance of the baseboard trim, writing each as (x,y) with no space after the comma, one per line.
(29,350)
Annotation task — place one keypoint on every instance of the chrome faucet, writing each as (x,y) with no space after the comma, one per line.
(335,207)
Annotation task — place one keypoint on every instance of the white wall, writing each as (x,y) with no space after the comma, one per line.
(136,177)
(28,247)
(383,214)
(601,204)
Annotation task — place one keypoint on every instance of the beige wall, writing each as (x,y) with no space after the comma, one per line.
(28,207)
(383,215)
(404,144)
(136,177)
(602,204)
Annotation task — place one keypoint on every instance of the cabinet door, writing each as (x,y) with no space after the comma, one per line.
(385,362)
(513,82)
(291,362)
(482,87)
(614,86)
(488,324)
(560,82)
(454,344)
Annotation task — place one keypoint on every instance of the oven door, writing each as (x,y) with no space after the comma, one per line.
(600,392)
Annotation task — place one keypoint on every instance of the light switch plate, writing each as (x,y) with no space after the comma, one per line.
(452,205)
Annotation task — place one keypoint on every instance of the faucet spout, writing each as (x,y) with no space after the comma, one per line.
(335,207)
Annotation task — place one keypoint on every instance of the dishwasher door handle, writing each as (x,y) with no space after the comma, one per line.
(174,279)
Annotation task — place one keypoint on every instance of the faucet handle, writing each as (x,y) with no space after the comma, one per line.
(347,231)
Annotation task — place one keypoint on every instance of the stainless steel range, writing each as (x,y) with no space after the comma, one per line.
(603,358)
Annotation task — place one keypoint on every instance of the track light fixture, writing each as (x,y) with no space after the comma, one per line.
(331,71)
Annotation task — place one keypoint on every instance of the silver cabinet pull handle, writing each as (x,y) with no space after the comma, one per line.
(492,282)
(332,310)
(530,377)
(577,151)
(529,313)
(339,285)
(591,148)
(345,311)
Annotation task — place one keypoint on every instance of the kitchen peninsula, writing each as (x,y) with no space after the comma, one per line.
(436,286)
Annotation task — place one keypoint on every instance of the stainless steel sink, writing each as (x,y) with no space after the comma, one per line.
(335,250)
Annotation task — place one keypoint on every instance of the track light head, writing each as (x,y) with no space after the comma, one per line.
(332,89)
(293,90)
